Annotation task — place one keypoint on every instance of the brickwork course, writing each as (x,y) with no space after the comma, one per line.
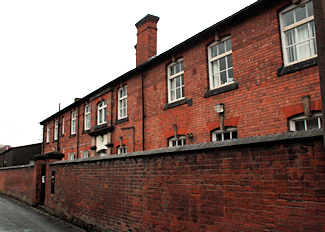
(264,96)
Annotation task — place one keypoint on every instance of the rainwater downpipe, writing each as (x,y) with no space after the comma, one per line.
(143,112)
(78,133)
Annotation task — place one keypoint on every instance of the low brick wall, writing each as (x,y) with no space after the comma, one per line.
(273,182)
(18,182)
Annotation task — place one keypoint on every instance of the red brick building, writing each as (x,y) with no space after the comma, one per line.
(253,73)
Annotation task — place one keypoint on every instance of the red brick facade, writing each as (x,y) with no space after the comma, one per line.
(259,102)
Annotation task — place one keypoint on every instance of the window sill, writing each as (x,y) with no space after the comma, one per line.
(178,103)
(55,141)
(85,131)
(221,89)
(283,70)
(71,136)
(118,121)
(62,135)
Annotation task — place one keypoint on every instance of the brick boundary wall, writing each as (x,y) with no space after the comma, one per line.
(265,183)
(18,182)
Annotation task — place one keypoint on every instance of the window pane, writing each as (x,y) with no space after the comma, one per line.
(300,13)
(215,80)
(178,81)
(290,37)
(226,135)
(178,93)
(218,137)
(222,62)
(172,83)
(310,9)
(288,18)
(214,51)
(172,95)
(312,123)
(304,50)
(234,134)
(302,33)
(230,75)
(229,61)
(221,47)
(215,67)
(300,126)
(228,45)
(292,54)
(223,76)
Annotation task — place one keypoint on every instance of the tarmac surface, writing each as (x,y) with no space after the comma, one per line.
(18,217)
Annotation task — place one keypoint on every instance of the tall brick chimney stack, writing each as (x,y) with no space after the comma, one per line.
(146,38)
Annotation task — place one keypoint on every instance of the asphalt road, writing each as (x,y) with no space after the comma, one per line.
(18,217)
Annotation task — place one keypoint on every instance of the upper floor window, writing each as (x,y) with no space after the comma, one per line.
(176,81)
(179,141)
(101,117)
(221,135)
(73,122)
(298,33)
(122,102)
(71,156)
(122,149)
(56,129)
(84,154)
(63,125)
(303,122)
(220,63)
(87,117)
(48,133)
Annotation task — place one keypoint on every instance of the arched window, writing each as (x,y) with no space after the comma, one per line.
(122,149)
(179,141)
(101,116)
(302,122)
(221,135)
(87,117)
(220,63)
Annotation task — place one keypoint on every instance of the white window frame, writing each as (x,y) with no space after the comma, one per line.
(173,75)
(87,116)
(316,115)
(63,125)
(122,102)
(71,156)
(48,133)
(56,129)
(215,82)
(73,122)
(173,142)
(294,27)
(101,112)
(122,149)
(223,132)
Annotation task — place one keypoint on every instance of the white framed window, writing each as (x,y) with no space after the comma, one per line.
(179,141)
(56,129)
(48,133)
(301,123)
(87,117)
(101,116)
(84,154)
(220,63)
(71,156)
(122,102)
(298,33)
(63,125)
(175,73)
(122,149)
(73,122)
(221,135)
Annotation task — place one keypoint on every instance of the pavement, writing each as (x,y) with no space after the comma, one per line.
(19,217)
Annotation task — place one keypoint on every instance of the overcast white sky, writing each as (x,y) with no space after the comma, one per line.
(54,51)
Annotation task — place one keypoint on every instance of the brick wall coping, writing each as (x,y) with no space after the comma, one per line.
(287,136)
(18,167)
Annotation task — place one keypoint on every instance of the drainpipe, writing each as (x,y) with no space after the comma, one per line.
(319,18)
(58,143)
(78,133)
(143,112)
